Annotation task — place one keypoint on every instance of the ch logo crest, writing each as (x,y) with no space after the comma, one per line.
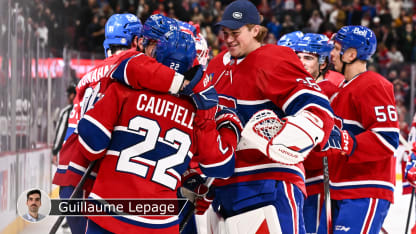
(237,15)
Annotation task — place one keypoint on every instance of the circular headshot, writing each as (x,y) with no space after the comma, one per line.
(33,205)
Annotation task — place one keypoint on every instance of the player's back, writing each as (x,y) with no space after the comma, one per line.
(88,82)
(145,140)
(151,143)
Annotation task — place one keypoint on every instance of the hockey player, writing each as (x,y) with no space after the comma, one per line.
(264,193)
(408,165)
(313,51)
(361,164)
(122,39)
(148,139)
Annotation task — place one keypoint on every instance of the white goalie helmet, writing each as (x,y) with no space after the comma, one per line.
(202,50)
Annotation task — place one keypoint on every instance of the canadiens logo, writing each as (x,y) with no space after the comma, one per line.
(237,15)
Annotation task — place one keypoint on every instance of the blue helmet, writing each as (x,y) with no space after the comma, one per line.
(120,29)
(188,28)
(176,50)
(359,37)
(314,43)
(156,26)
(290,39)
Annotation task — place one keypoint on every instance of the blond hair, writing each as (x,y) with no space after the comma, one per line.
(262,32)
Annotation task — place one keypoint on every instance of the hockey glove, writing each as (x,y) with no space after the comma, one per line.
(340,142)
(200,90)
(202,203)
(410,171)
(192,185)
(230,118)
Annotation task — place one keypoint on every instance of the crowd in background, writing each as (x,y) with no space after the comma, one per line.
(79,25)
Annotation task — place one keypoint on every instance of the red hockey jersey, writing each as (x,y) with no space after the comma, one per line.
(366,108)
(146,141)
(271,77)
(72,164)
(313,163)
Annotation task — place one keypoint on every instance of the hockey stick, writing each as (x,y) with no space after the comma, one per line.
(191,210)
(410,210)
(77,189)
(327,196)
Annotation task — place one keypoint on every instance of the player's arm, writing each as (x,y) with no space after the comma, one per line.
(378,135)
(96,125)
(216,134)
(309,116)
(135,72)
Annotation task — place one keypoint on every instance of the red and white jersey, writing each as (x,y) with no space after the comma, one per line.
(84,91)
(145,141)
(328,88)
(72,164)
(271,77)
(366,108)
(403,154)
(313,163)
(334,77)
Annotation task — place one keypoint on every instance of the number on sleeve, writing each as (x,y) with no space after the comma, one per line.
(309,81)
(385,113)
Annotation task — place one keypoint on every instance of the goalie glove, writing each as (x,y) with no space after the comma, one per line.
(287,142)
(230,118)
(340,142)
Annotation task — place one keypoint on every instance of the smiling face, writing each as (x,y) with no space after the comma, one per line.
(241,41)
(33,202)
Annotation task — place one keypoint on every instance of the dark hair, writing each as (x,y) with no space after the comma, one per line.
(33,192)
(71,89)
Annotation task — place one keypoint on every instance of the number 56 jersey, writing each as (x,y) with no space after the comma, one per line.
(147,140)
(367,109)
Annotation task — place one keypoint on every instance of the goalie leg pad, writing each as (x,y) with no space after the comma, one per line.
(215,223)
(261,220)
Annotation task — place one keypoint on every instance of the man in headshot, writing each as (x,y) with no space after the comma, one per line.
(33,202)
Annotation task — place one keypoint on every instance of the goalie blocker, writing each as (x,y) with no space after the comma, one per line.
(288,141)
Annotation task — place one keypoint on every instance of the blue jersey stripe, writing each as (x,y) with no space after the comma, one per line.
(118,74)
(222,171)
(306,99)
(353,128)
(367,186)
(391,137)
(273,169)
(92,135)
